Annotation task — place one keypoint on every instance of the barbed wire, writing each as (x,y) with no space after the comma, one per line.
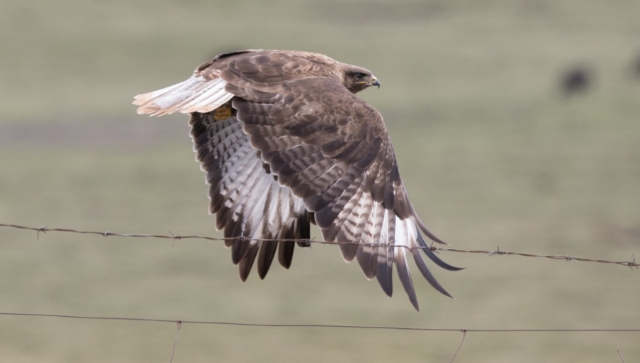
(497,252)
(331,326)
(631,264)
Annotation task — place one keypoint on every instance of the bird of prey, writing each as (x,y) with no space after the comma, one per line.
(285,142)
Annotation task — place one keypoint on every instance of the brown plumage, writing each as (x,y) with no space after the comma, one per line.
(285,143)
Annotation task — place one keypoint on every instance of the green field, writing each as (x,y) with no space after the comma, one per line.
(491,151)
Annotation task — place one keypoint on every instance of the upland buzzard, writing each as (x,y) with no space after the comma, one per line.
(285,143)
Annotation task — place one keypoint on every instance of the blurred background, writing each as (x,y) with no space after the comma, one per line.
(515,123)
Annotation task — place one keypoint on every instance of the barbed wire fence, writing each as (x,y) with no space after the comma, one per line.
(631,263)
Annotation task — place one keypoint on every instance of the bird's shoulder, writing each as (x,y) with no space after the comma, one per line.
(270,66)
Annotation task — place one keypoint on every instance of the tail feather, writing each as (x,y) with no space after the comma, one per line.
(196,94)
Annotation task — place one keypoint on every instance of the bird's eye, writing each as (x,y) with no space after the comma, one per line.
(360,75)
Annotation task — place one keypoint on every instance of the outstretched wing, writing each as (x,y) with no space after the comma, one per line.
(249,204)
(333,151)
(326,147)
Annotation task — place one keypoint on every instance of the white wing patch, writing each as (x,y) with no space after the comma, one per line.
(383,239)
(196,94)
(248,201)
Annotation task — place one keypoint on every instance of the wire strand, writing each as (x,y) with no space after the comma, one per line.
(333,326)
(497,252)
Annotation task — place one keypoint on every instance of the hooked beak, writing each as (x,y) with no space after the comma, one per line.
(375,82)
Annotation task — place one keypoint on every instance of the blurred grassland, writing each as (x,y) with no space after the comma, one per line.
(491,152)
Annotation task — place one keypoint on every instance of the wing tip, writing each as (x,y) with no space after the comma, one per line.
(432,256)
(426,273)
(405,278)
(426,231)
(243,276)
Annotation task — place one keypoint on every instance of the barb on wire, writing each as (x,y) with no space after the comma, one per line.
(41,229)
(632,264)
(496,252)
(331,326)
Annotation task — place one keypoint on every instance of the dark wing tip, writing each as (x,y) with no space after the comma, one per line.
(405,279)
(285,253)
(385,283)
(265,257)
(432,256)
(422,266)
(424,229)
(384,273)
(247,262)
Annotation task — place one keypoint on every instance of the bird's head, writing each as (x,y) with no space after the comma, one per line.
(357,79)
